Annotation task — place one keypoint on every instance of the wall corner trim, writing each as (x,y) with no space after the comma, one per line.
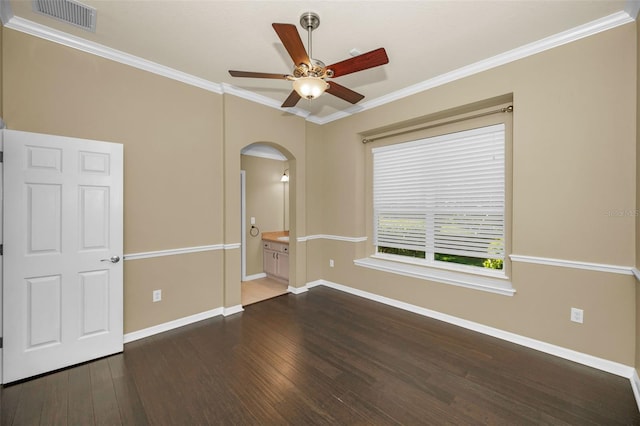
(232,310)
(559,351)
(297,290)
(5,16)
(180,322)
(632,8)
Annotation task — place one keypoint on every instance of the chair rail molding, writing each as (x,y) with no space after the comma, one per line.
(600,267)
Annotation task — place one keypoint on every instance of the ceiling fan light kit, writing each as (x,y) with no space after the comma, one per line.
(310,75)
(310,87)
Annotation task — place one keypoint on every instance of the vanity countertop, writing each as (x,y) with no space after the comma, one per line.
(276,236)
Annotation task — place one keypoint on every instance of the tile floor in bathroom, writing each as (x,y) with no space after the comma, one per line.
(261,289)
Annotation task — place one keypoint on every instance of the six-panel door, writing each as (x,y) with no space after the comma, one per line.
(62,235)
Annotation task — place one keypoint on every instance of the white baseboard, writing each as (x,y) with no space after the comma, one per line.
(255,276)
(297,290)
(315,283)
(569,354)
(635,385)
(156,329)
(232,310)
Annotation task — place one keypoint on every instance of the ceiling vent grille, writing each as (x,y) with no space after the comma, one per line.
(69,11)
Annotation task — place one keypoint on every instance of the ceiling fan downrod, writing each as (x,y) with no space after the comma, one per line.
(310,21)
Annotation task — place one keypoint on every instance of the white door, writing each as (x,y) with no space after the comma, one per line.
(62,274)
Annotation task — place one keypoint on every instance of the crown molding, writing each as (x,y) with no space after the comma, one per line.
(577,33)
(262,100)
(50,34)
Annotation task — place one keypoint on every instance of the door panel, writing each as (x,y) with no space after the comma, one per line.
(44,300)
(62,224)
(44,229)
(95,302)
(94,217)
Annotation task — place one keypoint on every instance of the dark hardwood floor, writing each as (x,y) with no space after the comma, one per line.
(323,357)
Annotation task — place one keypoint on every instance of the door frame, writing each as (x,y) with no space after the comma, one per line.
(1,242)
(243,225)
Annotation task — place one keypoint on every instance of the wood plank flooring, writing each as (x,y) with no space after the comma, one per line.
(323,357)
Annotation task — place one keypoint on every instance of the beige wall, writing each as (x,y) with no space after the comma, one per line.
(267,201)
(573,161)
(172,137)
(182,166)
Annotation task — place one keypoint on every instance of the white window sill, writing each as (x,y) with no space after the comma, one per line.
(483,283)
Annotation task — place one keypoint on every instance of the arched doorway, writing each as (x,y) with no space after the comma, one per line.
(265,218)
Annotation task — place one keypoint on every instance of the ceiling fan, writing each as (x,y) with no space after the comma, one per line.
(310,75)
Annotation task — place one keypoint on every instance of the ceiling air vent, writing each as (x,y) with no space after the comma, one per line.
(69,11)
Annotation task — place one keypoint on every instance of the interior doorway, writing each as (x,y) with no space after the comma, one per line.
(264,186)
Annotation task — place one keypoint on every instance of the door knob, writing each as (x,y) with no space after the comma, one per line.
(112,259)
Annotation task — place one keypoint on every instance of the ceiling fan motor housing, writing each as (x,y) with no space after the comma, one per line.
(319,70)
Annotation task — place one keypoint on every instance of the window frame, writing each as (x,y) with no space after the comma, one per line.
(452,124)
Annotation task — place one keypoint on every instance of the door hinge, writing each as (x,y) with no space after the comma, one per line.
(0,342)
(1,249)
(1,157)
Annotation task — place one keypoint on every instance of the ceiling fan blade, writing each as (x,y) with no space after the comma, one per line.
(257,75)
(293,43)
(361,62)
(292,100)
(343,93)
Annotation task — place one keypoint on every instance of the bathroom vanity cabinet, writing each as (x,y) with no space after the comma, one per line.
(275,258)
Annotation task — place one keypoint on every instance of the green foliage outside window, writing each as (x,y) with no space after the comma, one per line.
(464,260)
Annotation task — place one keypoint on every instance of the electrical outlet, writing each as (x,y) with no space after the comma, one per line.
(577,315)
(157,295)
(331,263)
(253,220)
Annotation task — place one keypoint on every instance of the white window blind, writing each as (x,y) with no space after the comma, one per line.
(444,194)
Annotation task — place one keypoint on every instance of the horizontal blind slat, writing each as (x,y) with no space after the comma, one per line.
(442,193)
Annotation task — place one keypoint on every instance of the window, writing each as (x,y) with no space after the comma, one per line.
(441,200)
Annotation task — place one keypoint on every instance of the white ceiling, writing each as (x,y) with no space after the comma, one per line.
(428,42)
